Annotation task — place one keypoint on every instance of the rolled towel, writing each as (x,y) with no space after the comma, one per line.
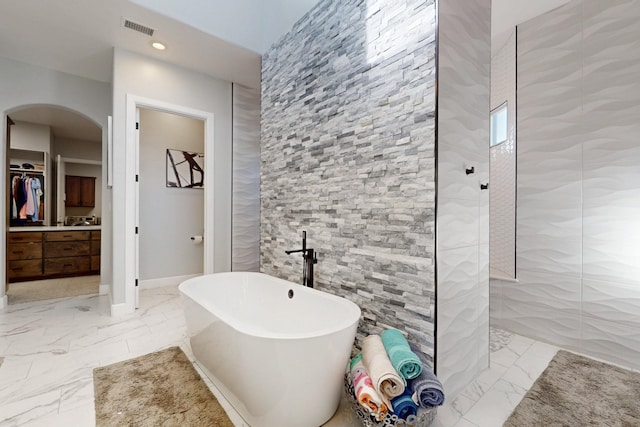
(366,394)
(427,389)
(385,379)
(404,406)
(404,360)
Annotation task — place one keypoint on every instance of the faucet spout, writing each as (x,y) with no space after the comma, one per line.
(309,257)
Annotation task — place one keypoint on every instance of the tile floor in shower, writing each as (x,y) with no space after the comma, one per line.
(48,350)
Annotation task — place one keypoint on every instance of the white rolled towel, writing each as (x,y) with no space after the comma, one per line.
(387,382)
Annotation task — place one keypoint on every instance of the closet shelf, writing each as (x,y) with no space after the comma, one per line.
(27,170)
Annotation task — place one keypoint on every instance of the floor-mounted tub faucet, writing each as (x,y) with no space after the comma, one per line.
(310,257)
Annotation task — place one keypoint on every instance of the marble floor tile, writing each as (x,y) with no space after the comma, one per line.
(50,348)
(495,406)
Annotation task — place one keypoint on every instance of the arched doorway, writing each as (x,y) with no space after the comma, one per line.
(54,203)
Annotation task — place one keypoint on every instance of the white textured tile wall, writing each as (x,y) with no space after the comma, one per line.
(463,208)
(245,236)
(578,208)
(502,203)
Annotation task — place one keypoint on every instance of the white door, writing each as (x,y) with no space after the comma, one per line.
(137,209)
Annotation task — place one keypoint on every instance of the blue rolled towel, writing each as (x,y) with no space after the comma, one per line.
(405,361)
(404,406)
(427,388)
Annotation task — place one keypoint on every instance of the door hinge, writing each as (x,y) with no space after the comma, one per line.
(136,230)
(137,177)
(136,283)
(137,125)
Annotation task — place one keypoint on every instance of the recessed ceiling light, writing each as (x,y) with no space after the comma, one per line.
(158,45)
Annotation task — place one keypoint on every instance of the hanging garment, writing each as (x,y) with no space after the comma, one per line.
(30,199)
(36,188)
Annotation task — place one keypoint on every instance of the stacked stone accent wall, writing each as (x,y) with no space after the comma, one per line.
(348,144)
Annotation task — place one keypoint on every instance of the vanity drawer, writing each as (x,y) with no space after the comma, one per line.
(96,235)
(65,236)
(95,247)
(66,265)
(95,263)
(24,268)
(25,236)
(17,251)
(65,249)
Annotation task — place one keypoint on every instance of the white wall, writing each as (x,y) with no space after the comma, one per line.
(145,77)
(31,136)
(73,148)
(168,216)
(25,85)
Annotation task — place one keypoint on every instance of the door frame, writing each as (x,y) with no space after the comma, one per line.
(133,103)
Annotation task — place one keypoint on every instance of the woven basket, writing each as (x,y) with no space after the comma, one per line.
(424,417)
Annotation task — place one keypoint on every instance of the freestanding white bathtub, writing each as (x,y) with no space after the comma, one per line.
(275,349)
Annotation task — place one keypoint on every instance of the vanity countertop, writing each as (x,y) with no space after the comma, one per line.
(56,228)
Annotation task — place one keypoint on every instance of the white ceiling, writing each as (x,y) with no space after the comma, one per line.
(78,36)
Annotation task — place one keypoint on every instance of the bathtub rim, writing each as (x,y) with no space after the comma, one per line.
(243,328)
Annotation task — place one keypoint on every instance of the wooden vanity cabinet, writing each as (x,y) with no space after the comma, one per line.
(50,254)
(66,253)
(24,256)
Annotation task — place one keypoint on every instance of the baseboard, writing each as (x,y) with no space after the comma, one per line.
(4,302)
(104,289)
(121,309)
(165,281)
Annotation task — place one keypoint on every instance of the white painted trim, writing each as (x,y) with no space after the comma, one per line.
(132,103)
(109,151)
(4,302)
(82,161)
(120,309)
(104,289)
(165,281)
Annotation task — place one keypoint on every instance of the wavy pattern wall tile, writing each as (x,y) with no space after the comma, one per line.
(611,341)
(549,255)
(578,225)
(463,244)
(611,301)
(557,292)
(543,323)
(245,234)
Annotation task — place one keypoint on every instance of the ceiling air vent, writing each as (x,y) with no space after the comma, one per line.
(138,27)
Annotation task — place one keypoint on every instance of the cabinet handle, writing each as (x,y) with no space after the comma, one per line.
(67,235)
(67,249)
(18,252)
(67,265)
(18,269)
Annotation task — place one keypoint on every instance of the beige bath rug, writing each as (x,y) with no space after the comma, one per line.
(578,391)
(158,389)
(40,290)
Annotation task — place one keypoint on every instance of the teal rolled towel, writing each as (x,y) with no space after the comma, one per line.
(405,361)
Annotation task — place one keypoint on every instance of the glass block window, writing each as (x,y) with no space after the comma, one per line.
(499,125)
